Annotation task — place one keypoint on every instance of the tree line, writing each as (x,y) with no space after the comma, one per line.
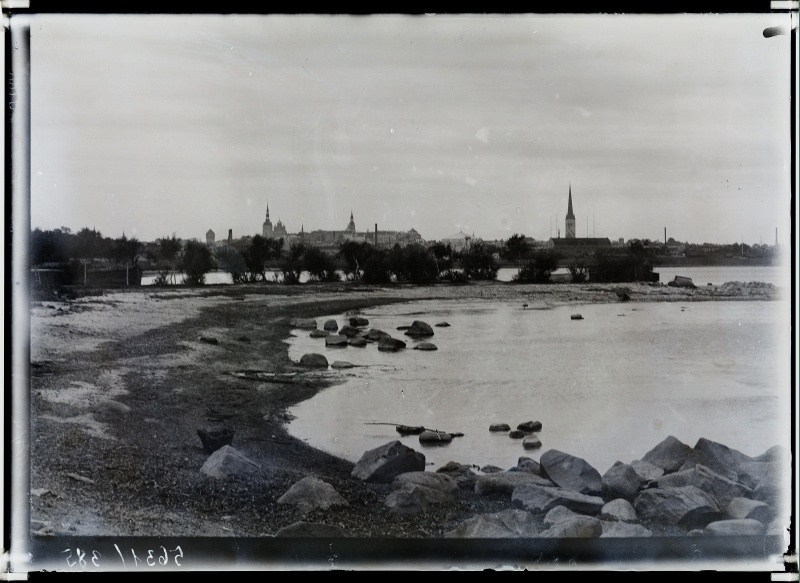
(253,259)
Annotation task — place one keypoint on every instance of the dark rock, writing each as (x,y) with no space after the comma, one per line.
(403,327)
(336,340)
(623,294)
(526,464)
(576,317)
(214,437)
(538,498)
(311,530)
(419,328)
(209,340)
(314,360)
(505,482)
(530,426)
(349,331)
(680,281)
(517,434)
(357,342)
(646,471)
(463,475)
(375,334)
(330,325)
(669,455)
(341,364)
(243,339)
(510,523)
(435,437)
(227,461)
(311,493)
(499,427)
(490,469)
(390,344)
(571,472)
(442,325)
(319,334)
(383,464)
(531,442)
(687,506)
(427,346)
(621,481)
(357,321)
(720,458)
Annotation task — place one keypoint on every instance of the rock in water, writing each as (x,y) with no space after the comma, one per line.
(336,340)
(330,325)
(429,436)
(499,427)
(576,317)
(426,346)
(530,426)
(314,360)
(419,328)
(356,321)
(390,344)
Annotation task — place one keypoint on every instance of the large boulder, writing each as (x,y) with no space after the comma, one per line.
(311,530)
(414,492)
(530,426)
(646,471)
(375,334)
(570,472)
(499,427)
(357,321)
(621,481)
(721,488)
(720,458)
(505,482)
(681,281)
(215,435)
(687,506)
(435,437)
(314,360)
(751,473)
(747,508)
(619,509)
(526,464)
(390,344)
(383,464)
(419,328)
(541,499)
(614,529)
(227,461)
(510,523)
(319,334)
(357,342)
(735,527)
(311,493)
(531,442)
(336,340)
(349,331)
(463,475)
(575,527)
(558,514)
(303,323)
(669,455)
(330,325)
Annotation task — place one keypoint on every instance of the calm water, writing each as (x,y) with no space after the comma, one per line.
(606,388)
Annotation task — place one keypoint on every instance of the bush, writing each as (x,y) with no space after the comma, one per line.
(320,265)
(454,276)
(479,263)
(413,264)
(538,269)
(376,268)
(232,261)
(292,264)
(197,260)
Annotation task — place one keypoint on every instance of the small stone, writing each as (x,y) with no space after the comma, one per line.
(516,434)
(531,442)
(499,427)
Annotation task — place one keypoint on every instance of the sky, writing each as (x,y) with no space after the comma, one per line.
(153,125)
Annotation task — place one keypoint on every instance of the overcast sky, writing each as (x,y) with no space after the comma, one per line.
(159,124)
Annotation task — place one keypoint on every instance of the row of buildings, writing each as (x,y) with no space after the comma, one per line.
(569,245)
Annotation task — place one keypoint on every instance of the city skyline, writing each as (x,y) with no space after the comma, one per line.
(162,124)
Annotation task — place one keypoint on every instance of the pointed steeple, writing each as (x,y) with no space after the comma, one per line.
(268,211)
(569,204)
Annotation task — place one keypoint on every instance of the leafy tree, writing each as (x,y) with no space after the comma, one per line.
(196,262)
(230,259)
(443,255)
(292,263)
(256,256)
(578,268)
(539,268)
(413,264)
(320,265)
(126,250)
(478,262)
(355,255)
(377,269)
(165,256)
(515,248)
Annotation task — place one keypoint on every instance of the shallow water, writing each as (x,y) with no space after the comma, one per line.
(606,388)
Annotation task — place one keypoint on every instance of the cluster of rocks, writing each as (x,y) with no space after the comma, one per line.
(524,431)
(354,334)
(705,490)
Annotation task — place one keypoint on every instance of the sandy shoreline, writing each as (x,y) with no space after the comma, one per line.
(137,467)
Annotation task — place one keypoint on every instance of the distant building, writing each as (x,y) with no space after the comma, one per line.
(266,228)
(570,220)
(210,237)
(459,241)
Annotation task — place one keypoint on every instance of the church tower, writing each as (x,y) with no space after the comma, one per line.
(267,228)
(351,226)
(570,221)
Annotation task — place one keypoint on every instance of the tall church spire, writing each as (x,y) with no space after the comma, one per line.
(569,223)
(267,211)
